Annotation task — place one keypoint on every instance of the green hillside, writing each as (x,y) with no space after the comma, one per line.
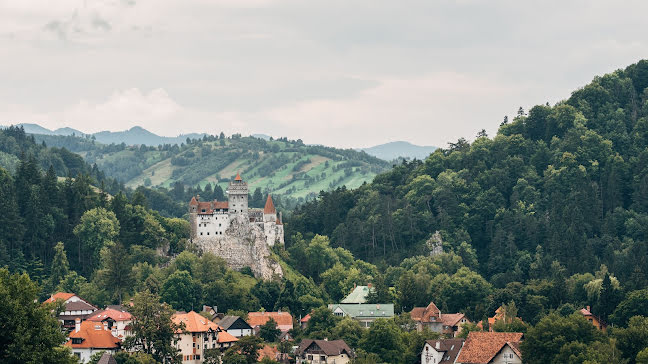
(282,167)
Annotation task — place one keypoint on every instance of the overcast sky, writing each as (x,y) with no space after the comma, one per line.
(342,73)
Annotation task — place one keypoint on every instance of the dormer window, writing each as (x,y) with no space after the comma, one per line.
(203,210)
(77,340)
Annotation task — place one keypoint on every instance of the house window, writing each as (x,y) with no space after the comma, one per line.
(322,358)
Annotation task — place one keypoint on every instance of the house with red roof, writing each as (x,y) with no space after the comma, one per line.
(432,318)
(257,319)
(595,320)
(491,348)
(199,334)
(74,307)
(118,320)
(90,337)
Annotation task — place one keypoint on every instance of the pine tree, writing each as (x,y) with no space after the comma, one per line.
(60,267)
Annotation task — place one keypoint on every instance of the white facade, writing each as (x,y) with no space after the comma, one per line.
(324,359)
(84,354)
(239,332)
(213,224)
(430,355)
(506,356)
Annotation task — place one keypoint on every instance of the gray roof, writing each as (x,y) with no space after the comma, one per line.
(330,348)
(227,321)
(449,347)
(79,306)
(365,310)
(107,358)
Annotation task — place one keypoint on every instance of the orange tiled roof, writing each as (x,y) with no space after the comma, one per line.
(481,347)
(193,201)
(269,206)
(269,352)
(210,206)
(424,314)
(110,313)
(306,318)
(60,296)
(238,177)
(585,312)
(260,318)
(225,337)
(194,322)
(94,336)
(451,319)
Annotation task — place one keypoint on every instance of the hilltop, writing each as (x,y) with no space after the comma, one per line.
(281,167)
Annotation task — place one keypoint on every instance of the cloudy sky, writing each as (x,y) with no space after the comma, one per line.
(343,73)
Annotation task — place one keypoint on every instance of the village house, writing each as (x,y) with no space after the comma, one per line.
(491,348)
(430,317)
(323,351)
(595,320)
(90,337)
(117,318)
(235,326)
(500,315)
(269,352)
(303,323)
(441,351)
(283,319)
(199,334)
(74,307)
(366,313)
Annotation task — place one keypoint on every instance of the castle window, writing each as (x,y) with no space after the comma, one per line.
(208,233)
(200,233)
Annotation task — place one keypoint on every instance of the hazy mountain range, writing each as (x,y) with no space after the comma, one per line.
(138,135)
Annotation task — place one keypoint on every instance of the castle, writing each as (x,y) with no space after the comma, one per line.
(212,219)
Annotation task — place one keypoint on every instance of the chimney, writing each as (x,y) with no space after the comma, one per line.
(438,345)
(77,325)
(588,308)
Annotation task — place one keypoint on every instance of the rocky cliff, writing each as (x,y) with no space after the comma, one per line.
(242,245)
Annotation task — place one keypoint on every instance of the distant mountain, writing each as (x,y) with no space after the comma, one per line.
(261,136)
(134,136)
(392,150)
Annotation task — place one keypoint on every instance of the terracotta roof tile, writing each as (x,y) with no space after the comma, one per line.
(305,318)
(481,347)
(194,322)
(238,177)
(94,336)
(225,337)
(260,318)
(451,319)
(193,201)
(269,352)
(110,313)
(60,296)
(269,206)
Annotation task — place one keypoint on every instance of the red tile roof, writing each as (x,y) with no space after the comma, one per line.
(60,296)
(225,337)
(260,318)
(193,201)
(194,322)
(482,347)
(451,319)
(269,206)
(110,313)
(306,318)
(269,352)
(210,206)
(424,314)
(94,336)
(238,177)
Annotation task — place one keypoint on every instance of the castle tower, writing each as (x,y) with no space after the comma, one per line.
(269,211)
(193,216)
(237,195)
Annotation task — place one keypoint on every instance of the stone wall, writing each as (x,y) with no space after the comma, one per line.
(242,245)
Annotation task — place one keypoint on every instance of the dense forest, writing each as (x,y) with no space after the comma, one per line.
(543,219)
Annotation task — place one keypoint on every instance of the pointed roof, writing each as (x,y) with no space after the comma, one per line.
(238,177)
(193,201)
(64,296)
(482,347)
(194,322)
(93,335)
(269,206)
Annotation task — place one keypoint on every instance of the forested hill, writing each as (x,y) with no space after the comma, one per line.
(281,167)
(567,182)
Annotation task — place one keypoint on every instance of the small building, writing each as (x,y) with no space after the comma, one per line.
(323,351)
(500,315)
(595,320)
(491,348)
(257,319)
(199,334)
(117,318)
(89,337)
(441,351)
(235,326)
(430,317)
(303,323)
(366,313)
(74,307)
(358,295)
(269,352)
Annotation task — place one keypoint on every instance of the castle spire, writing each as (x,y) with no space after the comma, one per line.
(193,201)
(238,177)
(269,206)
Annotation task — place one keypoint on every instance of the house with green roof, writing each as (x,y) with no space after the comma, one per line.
(366,313)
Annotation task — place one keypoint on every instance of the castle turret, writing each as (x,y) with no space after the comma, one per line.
(237,195)
(269,211)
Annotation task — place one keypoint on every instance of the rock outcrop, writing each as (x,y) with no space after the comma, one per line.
(242,245)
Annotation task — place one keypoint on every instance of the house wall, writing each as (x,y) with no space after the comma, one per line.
(239,332)
(192,345)
(430,356)
(317,359)
(506,356)
(85,353)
